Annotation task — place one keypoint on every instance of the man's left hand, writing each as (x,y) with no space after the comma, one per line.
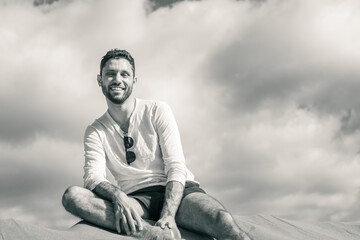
(169,222)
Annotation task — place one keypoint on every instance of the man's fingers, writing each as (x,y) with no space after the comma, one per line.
(125,224)
(169,225)
(162,225)
(130,220)
(158,223)
(117,218)
(137,218)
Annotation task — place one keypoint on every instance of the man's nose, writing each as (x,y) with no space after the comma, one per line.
(118,77)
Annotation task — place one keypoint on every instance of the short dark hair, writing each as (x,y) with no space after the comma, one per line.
(117,53)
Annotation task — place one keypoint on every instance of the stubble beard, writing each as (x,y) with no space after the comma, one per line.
(115,99)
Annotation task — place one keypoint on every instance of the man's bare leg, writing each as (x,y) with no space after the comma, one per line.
(200,212)
(86,205)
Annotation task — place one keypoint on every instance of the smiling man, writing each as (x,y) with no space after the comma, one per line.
(139,142)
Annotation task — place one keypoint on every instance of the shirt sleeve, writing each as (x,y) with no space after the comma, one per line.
(170,144)
(95,159)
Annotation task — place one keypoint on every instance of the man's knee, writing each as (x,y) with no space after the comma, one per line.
(70,197)
(223,217)
(226,222)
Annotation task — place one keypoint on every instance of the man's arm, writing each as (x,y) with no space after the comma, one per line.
(175,168)
(170,144)
(95,180)
(123,209)
(173,195)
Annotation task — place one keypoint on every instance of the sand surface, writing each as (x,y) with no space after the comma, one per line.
(260,227)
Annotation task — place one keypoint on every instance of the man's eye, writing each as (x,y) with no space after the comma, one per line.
(125,74)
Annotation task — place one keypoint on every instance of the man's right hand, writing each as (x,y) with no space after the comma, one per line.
(125,214)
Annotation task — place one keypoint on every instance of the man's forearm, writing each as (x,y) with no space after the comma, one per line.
(173,195)
(106,190)
(125,212)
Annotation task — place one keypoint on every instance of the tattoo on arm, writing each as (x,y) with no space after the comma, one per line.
(173,195)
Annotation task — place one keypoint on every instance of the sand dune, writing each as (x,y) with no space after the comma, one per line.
(260,227)
(265,227)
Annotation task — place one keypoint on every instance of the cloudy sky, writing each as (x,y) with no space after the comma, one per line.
(266,96)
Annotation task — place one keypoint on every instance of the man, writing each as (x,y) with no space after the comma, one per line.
(139,142)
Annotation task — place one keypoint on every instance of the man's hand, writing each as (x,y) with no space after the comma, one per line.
(126,214)
(169,222)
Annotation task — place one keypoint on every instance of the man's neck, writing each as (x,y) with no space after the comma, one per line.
(121,113)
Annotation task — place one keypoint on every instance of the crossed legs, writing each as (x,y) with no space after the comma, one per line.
(197,212)
(200,212)
(86,205)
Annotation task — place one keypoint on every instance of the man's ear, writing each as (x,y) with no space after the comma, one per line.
(99,80)
(135,80)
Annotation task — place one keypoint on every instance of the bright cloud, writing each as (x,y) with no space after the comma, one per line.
(265,95)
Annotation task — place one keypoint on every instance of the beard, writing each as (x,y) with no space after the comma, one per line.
(117,98)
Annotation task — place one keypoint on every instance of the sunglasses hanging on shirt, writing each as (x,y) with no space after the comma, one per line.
(130,155)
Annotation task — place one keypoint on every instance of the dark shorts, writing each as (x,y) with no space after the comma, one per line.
(153,197)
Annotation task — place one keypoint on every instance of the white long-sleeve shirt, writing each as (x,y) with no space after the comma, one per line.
(157,145)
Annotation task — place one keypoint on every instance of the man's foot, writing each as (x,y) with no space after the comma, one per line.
(156,233)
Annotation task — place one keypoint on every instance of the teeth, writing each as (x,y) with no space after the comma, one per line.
(117,88)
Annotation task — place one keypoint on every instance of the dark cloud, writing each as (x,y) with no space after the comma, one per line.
(153,5)
(42,2)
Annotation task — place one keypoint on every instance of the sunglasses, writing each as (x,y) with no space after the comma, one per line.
(130,155)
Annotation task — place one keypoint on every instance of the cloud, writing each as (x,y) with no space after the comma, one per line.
(300,59)
(266,159)
(153,5)
(33,178)
(265,96)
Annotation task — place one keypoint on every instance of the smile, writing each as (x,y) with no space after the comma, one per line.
(115,88)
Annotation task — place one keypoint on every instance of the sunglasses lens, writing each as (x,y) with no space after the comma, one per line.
(128,142)
(130,157)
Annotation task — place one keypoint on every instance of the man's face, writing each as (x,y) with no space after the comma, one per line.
(117,80)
